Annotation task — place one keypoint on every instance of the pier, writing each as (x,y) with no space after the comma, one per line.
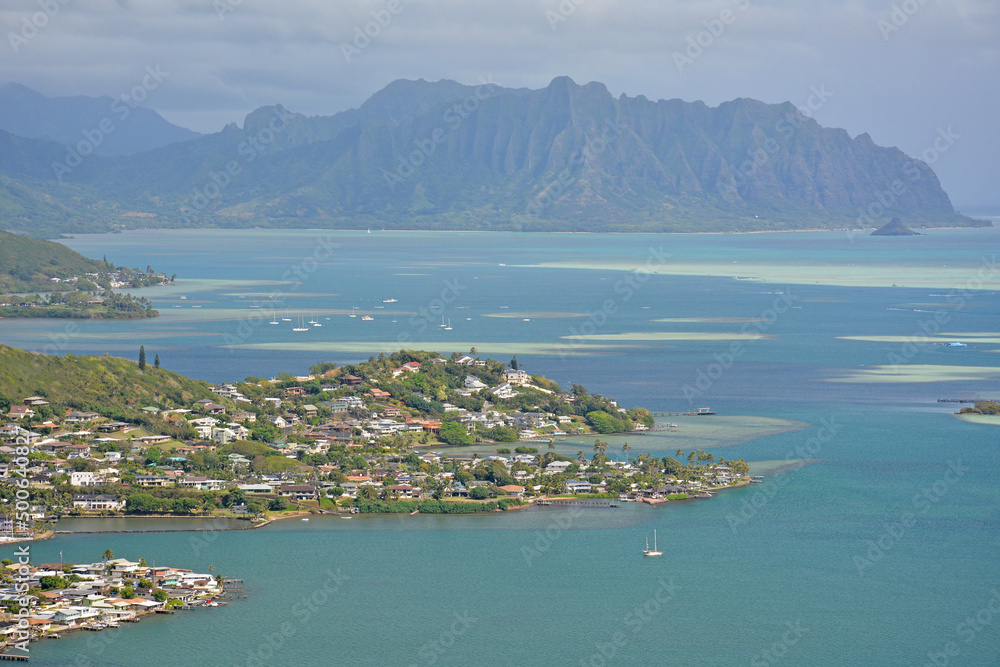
(13,656)
(570,502)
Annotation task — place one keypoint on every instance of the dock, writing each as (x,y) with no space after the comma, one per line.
(13,656)
(570,502)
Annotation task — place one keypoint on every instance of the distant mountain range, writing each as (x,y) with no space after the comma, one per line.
(443,155)
(69,120)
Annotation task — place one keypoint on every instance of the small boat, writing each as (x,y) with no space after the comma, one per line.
(651,552)
(442,325)
(353,314)
(388,300)
(273,321)
(304,519)
(301,326)
(448,328)
(366,318)
(526,319)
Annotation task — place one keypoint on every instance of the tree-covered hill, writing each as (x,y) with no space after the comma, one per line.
(110,386)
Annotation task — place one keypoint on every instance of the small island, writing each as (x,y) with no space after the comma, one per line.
(104,436)
(895,227)
(982,412)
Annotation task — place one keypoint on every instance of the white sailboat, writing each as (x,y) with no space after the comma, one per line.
(273,320)
(448,328)
(353,314)
(651,552)
(286,318)
(442,325)
(301,327)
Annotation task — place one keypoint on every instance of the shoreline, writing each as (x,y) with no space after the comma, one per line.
(361,230)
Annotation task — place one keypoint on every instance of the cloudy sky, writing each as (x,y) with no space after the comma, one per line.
(923,75)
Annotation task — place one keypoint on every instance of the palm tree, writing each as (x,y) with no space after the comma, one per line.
(108,555)
(680,453)
(552,443)
(625,450)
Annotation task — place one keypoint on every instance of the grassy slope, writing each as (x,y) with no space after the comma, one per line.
(93,383)
(27,264)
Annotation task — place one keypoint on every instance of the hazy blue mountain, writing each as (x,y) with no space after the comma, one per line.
(442,155)
(114,127)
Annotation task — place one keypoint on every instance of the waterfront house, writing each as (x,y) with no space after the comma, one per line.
(295,391)
(300,492)
(98,502)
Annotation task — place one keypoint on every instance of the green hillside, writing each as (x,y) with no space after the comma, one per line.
(110,386)
(28,265)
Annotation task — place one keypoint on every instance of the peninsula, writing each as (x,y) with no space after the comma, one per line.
(103,436)
(45,279)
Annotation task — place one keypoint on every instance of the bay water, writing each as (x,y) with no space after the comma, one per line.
(880,549)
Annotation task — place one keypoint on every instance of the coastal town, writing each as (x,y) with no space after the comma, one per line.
(47,600)
(386,435)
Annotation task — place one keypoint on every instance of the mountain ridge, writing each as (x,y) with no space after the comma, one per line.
(444,155)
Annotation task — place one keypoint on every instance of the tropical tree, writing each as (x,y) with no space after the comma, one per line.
(108,555)
(625,449)
(142,357)
(156,361)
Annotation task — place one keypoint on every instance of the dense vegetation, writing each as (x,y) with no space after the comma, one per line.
(110,386)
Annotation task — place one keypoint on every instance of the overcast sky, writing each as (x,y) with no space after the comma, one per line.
(905,71)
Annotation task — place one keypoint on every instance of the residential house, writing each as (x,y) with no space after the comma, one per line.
(97,502)
(20,412)
(299,492)
(518,377)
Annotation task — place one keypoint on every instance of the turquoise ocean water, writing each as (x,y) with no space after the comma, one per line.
(881,551)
